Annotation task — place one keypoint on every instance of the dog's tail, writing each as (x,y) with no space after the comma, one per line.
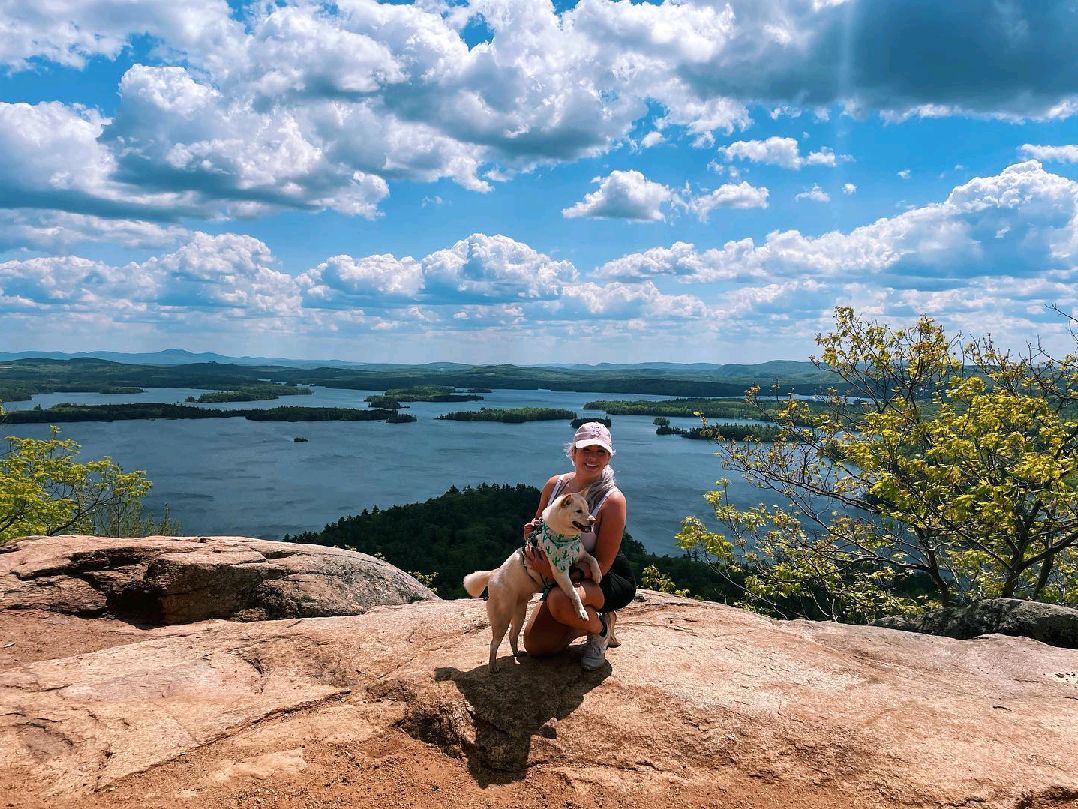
(476,583)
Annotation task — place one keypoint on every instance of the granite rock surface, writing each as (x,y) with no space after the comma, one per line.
(702,705)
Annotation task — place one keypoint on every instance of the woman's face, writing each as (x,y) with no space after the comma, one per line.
(590,461)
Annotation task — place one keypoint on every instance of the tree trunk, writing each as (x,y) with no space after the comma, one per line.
(1042,579)
(1010,584)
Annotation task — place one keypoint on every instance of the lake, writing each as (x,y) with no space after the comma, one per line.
(239,477)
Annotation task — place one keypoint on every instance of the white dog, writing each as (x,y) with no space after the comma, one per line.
(511,586)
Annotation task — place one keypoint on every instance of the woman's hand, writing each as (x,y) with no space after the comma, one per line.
(538,561)
(579,573)
(530,526)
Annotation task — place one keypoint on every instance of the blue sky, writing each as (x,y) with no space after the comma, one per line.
(512,181)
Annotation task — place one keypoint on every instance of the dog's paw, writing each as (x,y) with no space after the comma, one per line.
(583,613)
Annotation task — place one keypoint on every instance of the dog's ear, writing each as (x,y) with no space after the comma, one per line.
(566,500)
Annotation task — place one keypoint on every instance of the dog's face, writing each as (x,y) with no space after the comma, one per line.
(568,515)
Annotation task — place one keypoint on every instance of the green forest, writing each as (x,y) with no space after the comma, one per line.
(477,528)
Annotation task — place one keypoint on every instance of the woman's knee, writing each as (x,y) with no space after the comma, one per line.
(562,608)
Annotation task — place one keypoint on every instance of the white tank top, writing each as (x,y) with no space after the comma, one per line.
(587,538)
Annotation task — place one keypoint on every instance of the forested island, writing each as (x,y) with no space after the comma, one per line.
(432,393)
(761,410)
(720,430)
(394,397)
(250,393)
(510,415)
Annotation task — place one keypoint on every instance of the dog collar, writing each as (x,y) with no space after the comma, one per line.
(554,538)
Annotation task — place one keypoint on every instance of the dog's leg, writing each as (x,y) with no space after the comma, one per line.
(566,585)
(516,626)
(500,616)
(593,566)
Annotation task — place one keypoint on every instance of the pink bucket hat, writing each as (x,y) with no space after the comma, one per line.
(593,434)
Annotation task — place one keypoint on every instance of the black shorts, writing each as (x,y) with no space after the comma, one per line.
(618,585)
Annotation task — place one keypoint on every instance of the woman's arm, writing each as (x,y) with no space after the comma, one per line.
(611,519)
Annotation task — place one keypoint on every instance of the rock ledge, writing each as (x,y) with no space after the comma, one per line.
(702,705)
(1048,623)
(180,580)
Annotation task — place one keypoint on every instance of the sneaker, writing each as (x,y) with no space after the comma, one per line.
(611,620)
(595,651)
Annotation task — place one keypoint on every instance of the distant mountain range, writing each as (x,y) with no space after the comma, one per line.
(183,357)
(786,369)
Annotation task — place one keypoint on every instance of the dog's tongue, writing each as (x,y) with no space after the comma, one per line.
(579,527)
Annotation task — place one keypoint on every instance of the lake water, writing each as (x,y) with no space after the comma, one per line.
(233,476)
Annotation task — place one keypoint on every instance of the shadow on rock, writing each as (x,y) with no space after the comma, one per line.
(494,724)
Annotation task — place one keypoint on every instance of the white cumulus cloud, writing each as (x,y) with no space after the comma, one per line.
(626,301)
(814,194)
(225,272)
(624,195)
(243,108)
(729,195)
(67,284)
(57,231)
(69,32)
(1022,222)
(1051,154)
(652,138)
(493,269)
(776,151)
(344,281)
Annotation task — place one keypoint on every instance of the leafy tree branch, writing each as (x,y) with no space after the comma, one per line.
(944,472)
